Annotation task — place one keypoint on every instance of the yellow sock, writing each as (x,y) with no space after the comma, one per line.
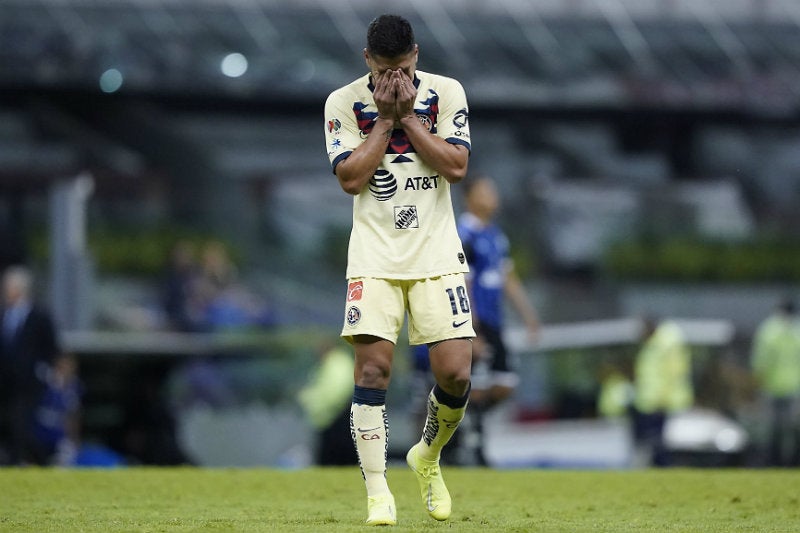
(440,425)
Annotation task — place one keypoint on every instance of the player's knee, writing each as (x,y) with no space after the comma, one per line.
(455,383)
(374,375)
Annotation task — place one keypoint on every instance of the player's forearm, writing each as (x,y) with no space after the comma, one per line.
(449,160)
(526,311)
(515,291)
(355,172)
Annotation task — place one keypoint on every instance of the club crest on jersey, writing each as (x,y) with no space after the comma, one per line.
(353,315)
(355,290)
(382,185)
(334,125)
(431,110)
(426,121)
(405,217)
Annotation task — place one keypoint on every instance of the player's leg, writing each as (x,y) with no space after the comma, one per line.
(501,382)
(369,423)
(368,410)
(480,395)
(447,401)
(447,404)
(374,313)
(439,310)
(440,316)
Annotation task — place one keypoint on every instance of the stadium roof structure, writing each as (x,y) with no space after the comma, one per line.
(611,53)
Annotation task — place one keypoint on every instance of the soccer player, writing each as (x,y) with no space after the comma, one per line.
(397,138)
(492,278)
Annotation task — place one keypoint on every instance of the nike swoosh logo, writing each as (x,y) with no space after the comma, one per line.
(368,430)
(459,324)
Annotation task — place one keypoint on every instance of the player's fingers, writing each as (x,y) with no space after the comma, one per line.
(406,91)
(385,91)
(381,82)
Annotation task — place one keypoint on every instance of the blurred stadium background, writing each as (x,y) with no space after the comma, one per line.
(646,150)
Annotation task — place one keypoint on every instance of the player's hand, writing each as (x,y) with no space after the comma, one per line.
(385,95)
(406,94)
(534,329)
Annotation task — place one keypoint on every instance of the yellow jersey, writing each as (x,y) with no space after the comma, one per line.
(403,221)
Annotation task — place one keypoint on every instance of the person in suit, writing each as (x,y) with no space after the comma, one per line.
(28,347)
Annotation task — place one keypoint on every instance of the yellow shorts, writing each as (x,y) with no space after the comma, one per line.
(438,309)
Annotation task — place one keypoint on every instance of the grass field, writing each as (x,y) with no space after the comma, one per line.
(333,500)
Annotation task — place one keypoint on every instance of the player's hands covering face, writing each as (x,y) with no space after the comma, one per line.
(394,94)
(384,94)
(406,94)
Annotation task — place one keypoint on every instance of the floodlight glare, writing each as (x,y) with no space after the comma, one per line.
(234,65)
(110,80)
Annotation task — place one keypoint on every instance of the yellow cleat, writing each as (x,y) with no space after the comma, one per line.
(381,510)
(434,492)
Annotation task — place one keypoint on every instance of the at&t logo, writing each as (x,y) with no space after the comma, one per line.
(383,185)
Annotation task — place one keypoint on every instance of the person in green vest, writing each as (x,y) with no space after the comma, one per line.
(325,400)
(662,386)
(616,392)
(775,360)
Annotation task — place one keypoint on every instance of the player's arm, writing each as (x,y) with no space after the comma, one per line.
(449,160)
(355,171)
(519,300)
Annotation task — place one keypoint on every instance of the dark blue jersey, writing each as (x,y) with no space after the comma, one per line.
(487,251)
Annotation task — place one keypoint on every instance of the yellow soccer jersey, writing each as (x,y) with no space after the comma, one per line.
(403,222)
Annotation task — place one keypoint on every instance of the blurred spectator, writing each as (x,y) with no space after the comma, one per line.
(57,422)
(326,401)
(29,345)
(776,364)
(180,290)
(217,269)
(491,280)
(227,304)
(616,392)
(662,386)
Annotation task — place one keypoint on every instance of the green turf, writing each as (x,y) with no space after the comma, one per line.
(315,500)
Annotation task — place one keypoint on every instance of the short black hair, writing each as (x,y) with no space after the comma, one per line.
(390,36)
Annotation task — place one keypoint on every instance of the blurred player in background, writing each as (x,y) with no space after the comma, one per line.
(397,138)
(491,279)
